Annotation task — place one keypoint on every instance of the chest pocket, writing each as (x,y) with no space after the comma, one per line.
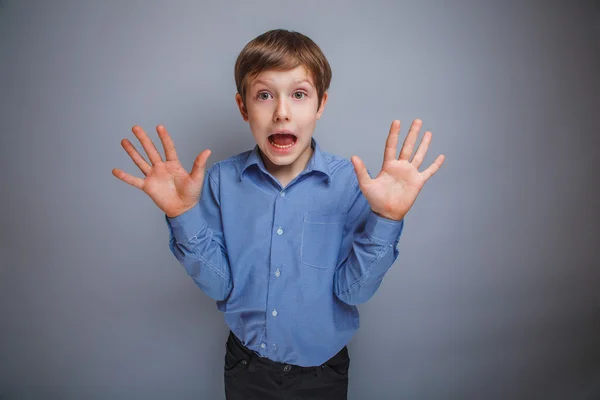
(321,239)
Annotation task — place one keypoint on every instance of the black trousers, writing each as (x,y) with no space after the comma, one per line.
(251,377)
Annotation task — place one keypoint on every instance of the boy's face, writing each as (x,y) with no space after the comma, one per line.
(281,108)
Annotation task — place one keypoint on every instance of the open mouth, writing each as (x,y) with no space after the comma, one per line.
(283,140)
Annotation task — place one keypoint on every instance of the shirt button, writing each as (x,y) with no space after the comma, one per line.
(282,194)
(263,346)
(274,313)
(277,273)
(279,231)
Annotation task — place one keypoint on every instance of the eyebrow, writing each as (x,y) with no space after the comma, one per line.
(268,82)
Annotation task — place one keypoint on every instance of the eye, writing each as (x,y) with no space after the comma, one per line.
(263,96)
(299,95)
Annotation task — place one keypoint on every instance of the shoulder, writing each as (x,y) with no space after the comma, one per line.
(228,168)
(340,168)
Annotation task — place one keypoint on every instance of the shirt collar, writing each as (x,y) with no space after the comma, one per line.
(317,162)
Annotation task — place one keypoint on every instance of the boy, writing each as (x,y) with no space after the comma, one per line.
(287,239)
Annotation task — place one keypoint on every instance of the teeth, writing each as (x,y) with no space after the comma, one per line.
(279,146)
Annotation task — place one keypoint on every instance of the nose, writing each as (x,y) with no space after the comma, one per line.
(282,112)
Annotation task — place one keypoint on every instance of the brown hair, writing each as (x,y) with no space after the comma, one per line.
(282,49)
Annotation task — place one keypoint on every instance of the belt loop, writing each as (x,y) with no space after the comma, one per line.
(251,364)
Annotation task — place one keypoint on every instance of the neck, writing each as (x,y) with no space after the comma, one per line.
(286,173)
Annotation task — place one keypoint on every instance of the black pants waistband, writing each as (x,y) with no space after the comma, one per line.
(240,351)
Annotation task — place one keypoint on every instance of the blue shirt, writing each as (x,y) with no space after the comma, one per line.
(286,265)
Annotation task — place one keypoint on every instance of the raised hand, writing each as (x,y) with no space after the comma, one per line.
(393,192)
(167,183)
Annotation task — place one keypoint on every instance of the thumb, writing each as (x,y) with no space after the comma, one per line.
(361,171)
(199,167)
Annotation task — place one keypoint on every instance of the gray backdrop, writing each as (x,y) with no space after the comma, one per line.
(495,293)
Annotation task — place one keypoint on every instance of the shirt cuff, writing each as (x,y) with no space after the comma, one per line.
(187,225)
(382,230)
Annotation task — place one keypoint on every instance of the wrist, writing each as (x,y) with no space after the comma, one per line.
(397,217)
(177,213)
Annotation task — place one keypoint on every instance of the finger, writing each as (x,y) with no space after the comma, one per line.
(434,167)
(199,167)
(361,172)
(125,177)
(136,157)
(147,144)
(168,145)
(409,142)
(391,144)
(422,150)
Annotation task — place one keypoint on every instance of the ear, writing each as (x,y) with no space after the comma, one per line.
(322,108)
(240,104)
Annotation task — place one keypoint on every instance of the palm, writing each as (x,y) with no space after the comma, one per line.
(394,190)
(167,183)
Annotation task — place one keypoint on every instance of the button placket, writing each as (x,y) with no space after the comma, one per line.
(279,222)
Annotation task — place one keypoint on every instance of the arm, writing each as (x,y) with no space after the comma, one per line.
(196,240)
(382,204)
(194,221)
(370,247)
